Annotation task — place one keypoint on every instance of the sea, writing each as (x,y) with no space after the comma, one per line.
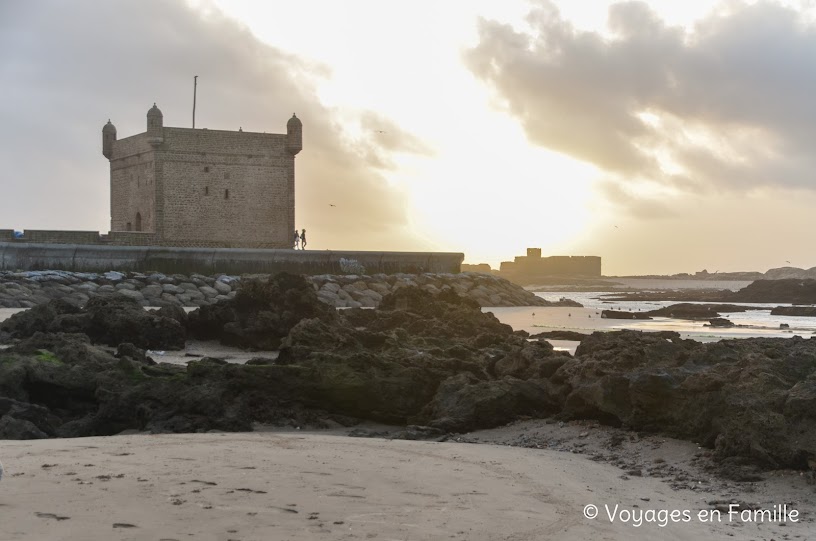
(752,323)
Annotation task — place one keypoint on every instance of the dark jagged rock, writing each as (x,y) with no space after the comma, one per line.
(796,311)
(622,314)
(37,319)
(746,398)
(574,336)
(106,319)
(388,364)
(463,402)
(791,291)
(698,311)
(261,314)
(172,311)
(719,322)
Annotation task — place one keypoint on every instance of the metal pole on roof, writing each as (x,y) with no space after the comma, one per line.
(195,85)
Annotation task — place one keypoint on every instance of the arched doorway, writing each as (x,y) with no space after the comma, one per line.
(138,221)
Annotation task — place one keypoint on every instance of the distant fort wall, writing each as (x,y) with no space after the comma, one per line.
(533,265)
(17,254)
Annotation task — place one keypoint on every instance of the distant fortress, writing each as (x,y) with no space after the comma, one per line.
(558,265)
(527,269)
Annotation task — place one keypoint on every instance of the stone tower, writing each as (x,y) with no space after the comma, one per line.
(200,187)
(108,139)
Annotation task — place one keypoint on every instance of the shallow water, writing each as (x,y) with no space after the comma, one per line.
(754,323)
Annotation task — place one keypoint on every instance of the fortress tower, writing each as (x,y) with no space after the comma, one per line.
(203,188)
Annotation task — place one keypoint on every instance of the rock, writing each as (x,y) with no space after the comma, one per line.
(208,292)
(173,289)
(130,351)
(39,318)
(106,319)
(12,428)
(172,311)
(729,395)
(152,291)
(793,291)
(622,314)
(131,294)
(561,335)
(221,287)
(719,322)
(698,311)
(261,314)
(463,403)
(795,311)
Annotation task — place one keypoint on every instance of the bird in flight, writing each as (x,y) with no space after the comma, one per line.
(331,205)
(787,261)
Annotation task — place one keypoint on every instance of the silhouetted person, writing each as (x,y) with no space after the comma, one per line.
(303,239)
(297,240)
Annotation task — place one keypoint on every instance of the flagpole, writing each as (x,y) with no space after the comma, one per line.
(195,84)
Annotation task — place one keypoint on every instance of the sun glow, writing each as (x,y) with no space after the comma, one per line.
(483,189)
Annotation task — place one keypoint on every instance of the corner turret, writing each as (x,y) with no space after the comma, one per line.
(155,123)
(108,139)
(294,133)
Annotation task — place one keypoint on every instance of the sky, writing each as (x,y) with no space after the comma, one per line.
(663,136)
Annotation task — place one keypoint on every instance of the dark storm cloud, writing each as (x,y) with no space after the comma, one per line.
(66,67)
(744,77)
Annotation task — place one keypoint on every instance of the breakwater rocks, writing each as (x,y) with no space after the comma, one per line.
(28,289)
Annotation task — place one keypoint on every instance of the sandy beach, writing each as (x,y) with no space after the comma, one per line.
(294,486)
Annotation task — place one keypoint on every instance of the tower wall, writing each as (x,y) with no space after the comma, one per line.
(133,184)
(224,188)
(208,188)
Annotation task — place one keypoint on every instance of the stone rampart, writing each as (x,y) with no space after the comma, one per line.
(25,256)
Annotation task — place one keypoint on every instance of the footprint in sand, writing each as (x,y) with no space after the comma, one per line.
(51,516)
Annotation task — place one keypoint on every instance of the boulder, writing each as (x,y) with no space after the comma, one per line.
(261,314)
(105,319)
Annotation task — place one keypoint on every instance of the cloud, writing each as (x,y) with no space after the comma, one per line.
(69,66)
(726,107)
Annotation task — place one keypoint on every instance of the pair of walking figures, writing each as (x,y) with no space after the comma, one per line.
(300,239)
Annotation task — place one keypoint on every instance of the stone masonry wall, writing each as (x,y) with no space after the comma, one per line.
(205,188)
(230,189)
(132,184)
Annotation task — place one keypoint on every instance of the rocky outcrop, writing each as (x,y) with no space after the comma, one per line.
(28,289)
(105,319)
(720,323)
(794,291)
(561,335)
(623,314)
(795,311)
(426,359)
(699,311)
(261,314)
(748,398)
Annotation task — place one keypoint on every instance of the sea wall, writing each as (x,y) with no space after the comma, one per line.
(30,288)
(17,256)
